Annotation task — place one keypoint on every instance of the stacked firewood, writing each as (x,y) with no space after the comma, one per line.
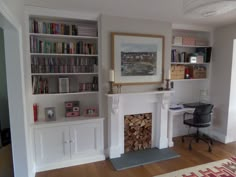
(138,132)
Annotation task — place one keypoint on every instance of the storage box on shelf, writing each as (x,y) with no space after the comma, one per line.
(198,72)
(177,72)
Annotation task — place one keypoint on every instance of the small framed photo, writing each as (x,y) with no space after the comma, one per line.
(50,114)
(91,112)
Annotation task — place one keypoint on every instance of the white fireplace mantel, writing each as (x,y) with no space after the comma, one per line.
(119,105)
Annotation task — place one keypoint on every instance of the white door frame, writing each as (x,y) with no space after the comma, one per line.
(16,91)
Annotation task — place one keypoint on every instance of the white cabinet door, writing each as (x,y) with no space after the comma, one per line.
(86,139)
(52,145)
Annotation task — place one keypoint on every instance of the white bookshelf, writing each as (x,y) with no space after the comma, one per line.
(80,67)
(69,55)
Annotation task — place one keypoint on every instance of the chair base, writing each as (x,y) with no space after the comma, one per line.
(198,136)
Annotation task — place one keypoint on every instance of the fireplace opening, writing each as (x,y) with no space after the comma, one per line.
(137,132)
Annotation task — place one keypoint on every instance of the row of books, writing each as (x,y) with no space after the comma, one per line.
(44,46)
(178,56)
(63,69)
(80,29)
(70,61)
(39,85)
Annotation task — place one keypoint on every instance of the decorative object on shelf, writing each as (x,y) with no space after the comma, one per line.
(91,112)
(119,88)
(63,85)
(111,81)
(167,84)
(35,110)
(186,73)
(50,114)
(72,109)
(137,58)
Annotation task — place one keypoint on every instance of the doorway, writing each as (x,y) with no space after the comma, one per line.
(6,162)
(12,31)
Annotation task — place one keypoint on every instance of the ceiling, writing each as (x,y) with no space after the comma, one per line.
(161,10)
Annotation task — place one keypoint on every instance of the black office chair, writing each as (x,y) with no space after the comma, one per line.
(201,118)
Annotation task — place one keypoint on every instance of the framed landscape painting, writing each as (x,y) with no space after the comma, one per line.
(137,58)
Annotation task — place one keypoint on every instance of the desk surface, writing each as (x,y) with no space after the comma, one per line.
(181,110)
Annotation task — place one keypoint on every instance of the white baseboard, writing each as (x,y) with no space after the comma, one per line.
(69,163)
(218,136)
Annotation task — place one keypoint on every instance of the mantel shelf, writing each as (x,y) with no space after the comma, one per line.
(190,46)
(142,93)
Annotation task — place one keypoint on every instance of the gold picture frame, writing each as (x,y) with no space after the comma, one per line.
(137,58)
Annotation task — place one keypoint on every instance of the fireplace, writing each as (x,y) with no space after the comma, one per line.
(137,132)
(119,105)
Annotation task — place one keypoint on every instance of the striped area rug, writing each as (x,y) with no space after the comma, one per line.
(221,168)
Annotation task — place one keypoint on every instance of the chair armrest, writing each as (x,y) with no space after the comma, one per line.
(186,113)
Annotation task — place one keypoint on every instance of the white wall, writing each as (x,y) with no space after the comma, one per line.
(4,112)
(16,7)
(128,25)
(221,89)
(231,131)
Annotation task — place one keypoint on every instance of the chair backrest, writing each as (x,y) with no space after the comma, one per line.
(202,114)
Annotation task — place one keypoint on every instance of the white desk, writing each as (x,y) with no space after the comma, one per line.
(171,115)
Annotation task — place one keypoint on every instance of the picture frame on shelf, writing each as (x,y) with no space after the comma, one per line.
(90,112)
(50,114)
(63,85)
(137,58)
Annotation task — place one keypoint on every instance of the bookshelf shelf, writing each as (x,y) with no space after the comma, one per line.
(189,80)
(60,94)
(189,46)
(62,36)
(182,63)
(61,74)
(62,55)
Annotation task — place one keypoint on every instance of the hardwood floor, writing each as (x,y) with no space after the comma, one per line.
(198,155)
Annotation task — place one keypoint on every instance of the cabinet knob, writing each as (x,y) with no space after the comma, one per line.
(71,141)
(66,142)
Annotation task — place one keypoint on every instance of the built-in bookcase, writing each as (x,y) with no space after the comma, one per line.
(64,63)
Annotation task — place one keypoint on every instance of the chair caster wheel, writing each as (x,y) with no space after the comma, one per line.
(197,140)
(209,149)
(211,142)
(190,147)
(182,139)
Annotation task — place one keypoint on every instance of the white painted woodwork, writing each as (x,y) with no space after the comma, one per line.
(52,145)
(81,146)
(119,105)
(64,144)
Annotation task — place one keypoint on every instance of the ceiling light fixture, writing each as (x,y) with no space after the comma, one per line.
(203,8)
